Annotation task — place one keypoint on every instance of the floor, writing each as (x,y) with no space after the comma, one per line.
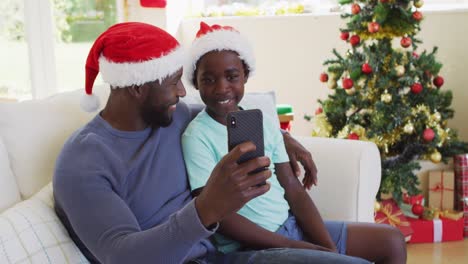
(439,253)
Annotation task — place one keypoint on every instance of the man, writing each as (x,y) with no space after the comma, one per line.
(120,184)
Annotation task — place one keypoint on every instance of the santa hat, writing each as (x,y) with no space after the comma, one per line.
(218,38)
(129,54)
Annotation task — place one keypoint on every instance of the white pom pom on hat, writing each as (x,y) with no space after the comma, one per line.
(89,103)
(130,53)
(218,38)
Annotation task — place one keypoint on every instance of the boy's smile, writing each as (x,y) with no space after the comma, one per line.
(220,78)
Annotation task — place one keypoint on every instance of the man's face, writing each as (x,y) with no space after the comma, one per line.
(160,103)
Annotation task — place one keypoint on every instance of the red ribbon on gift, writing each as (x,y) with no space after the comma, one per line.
(439,187)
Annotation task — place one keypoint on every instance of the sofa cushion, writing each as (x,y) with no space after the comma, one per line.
(34,131)
(9,193)
(30,232)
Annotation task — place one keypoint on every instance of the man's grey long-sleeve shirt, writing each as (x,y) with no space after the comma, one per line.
(124,196)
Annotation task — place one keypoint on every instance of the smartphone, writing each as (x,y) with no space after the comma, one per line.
(243,126)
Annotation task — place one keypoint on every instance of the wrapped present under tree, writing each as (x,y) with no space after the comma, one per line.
(437,230)
(460,164)
(441,189)
(388,212)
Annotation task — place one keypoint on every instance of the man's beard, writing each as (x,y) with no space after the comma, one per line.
(156,116)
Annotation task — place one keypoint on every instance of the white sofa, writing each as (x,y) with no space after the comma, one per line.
(32,133)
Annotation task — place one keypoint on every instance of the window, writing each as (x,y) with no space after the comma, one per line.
(78,24)
(44,43)
(14,62)
(208,8)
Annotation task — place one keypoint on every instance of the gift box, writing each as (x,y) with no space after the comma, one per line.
(463,206)
(466,226)
(389,213)
(442,189)
(460,165)
(437,230)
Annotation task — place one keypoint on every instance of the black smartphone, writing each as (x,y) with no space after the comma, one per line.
(243,126)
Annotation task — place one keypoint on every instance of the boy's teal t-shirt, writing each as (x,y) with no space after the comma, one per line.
(204,144)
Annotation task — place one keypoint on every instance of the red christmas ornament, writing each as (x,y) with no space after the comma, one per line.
(347,83)
(318,111)
(438,81)
(366,68)
(353,136)
(354,40)
(355,9)
(416,88)
(417,209)
(417,16)
(428,134)
(373,27)
(344,35)
(323,77)
(415,55)
(405,42)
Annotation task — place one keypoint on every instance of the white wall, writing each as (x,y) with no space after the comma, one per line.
(290,51)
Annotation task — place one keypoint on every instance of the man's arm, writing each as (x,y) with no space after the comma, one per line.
(303,207)
(297,153)
(108,228)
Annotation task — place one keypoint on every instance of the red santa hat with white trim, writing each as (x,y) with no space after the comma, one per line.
(129,54)
(218,38)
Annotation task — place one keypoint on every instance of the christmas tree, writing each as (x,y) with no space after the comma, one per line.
(386,92)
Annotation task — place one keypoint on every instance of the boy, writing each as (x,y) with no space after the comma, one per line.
(221,62)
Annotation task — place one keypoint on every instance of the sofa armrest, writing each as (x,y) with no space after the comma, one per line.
(349,173)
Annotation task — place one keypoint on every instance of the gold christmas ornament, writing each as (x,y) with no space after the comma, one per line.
(436,156)
(386,97)
(418,3)
(408,128)
(377,206)
(332,84)
(400,70)
(350,91)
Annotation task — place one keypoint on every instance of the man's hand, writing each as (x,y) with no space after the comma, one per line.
(297,153)
(230,186)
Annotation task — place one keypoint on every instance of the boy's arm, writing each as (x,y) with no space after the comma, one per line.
(303,207)
(298,154)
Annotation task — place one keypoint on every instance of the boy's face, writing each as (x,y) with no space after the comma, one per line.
(220,78)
